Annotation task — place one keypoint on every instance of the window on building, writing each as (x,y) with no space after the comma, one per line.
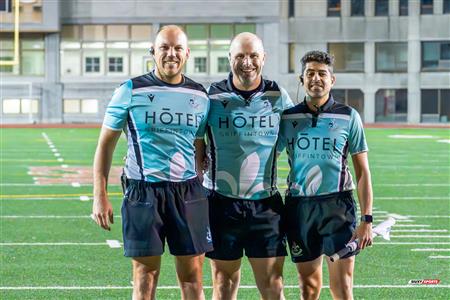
(426,7)
(357,8)
(209,46)
(115,64)
(391,57)
(20,106)
(223,65)
(436,56)
(334,8)
(349,57)
(403,7)
(435,106)
(381,7)
(31,51)
(350,97)
(391,105)
(92,64)
(200,64)
(291,8)
(110,44)
(446,7)
(80,106)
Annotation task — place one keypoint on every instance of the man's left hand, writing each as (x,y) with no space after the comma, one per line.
(364,235)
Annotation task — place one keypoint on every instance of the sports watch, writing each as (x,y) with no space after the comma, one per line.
(367,218)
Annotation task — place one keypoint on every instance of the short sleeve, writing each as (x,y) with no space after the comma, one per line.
(281,142)
(286,99)
(357,139)
(202,126)
(117,110)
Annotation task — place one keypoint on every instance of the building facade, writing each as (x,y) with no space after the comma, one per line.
(392,56)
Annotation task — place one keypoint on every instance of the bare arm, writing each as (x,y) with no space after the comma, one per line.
(365,196)
(102,209)
(200,157)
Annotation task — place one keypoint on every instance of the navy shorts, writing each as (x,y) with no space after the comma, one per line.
(319,225)
(154,212)
(253,226)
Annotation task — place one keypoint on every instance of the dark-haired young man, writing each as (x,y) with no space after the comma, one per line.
(318,135)
(163,112)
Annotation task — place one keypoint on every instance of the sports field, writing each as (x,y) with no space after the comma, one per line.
(51,249)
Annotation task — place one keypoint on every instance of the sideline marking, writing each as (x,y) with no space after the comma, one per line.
(412,243)
(411,225)
(60,159)
(57,154)
(398,217)
(54,244)
(443,141)
(47,217)
(408,136)
(51,195)
(439,257)
(420,236)
(75,184)
(411,184)
(64,166)
(420,230)
(412,198)
(175,287)
(430,249)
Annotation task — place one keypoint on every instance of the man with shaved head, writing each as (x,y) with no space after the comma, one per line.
(245,206)
(162,113)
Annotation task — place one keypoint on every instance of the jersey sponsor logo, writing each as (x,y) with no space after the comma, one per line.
(296,250)
(306,142)
(167,117)
(294,124)
(241,121)
(151,97)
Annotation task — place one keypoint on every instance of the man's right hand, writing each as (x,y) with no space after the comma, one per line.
(102,212)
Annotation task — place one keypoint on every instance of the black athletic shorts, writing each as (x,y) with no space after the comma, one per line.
(154,212)
(251,225)
(319,225)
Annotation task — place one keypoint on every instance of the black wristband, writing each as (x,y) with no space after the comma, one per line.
(367,218)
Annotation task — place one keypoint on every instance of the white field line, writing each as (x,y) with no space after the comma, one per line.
(439,257)
(375,212)
(411,184)
(420,236)
(413,198)
(412,225)
(419,230)
(404,220)
(75,184)
(430,249)
(428,216)
(396,167)
(55,244)
(412,243)
(59,185)
(48,217)
(175,287)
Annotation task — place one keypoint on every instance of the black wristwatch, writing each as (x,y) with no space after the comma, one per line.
(367,218)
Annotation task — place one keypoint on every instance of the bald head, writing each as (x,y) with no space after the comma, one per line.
(246,60)
(246,38)
(170,53)
(171,31)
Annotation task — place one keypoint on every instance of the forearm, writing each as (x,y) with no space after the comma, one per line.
(365,195)
(103,160)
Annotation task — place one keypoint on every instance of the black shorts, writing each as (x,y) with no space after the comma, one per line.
(154,212)
(251,225)
(319,225)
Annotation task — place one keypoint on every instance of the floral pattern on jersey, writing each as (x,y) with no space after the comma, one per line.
(246,187)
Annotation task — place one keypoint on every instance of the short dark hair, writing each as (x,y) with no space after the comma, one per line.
(318,56)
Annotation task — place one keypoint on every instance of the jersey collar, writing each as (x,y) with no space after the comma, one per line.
(326,107)
(231,87)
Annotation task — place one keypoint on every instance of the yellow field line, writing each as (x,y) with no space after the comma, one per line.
(53,195)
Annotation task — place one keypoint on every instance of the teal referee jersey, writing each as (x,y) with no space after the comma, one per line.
(242,135)
(162,121)
(318,145)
